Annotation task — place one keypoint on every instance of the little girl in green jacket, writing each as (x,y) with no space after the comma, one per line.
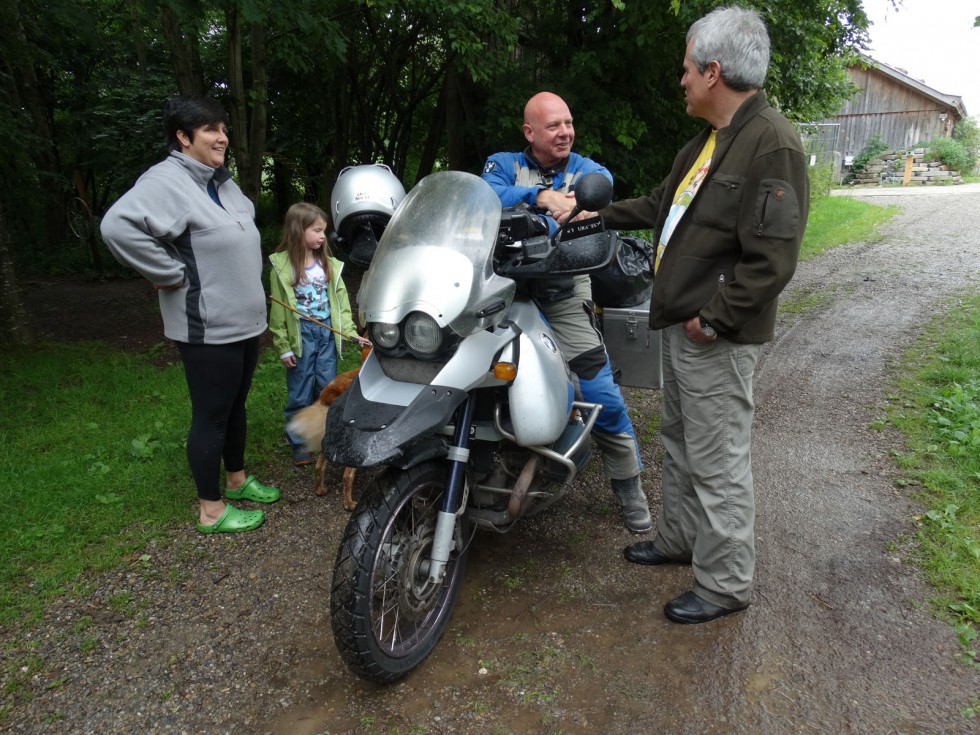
(307,278)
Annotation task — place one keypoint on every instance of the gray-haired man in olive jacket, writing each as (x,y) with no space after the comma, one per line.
(729,220)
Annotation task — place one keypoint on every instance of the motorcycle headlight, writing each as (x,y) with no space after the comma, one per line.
(422,334)
(386,336)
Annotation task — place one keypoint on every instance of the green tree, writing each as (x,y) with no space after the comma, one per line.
(314,85)
(618,68)
(403,92)
(968,134)
(29,38)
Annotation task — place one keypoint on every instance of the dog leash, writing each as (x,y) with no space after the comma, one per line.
(355,340)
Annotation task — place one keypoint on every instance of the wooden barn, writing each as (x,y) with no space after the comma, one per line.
(890,102)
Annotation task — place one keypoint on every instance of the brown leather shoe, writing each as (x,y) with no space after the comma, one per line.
(691,609)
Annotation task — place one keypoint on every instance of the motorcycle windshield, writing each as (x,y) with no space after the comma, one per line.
(436,256)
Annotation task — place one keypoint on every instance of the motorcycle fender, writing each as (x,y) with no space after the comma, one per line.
(433,447)
(541,395)
(365,433)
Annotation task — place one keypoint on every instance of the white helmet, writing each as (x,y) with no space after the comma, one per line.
(362,202)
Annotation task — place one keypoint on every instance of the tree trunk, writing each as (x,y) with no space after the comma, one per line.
(42,148)
(282,186)
(91,242)
(236,89)
(427,160)
(455,144)
(249,107)
(15,326)
(184,53)
(260,112)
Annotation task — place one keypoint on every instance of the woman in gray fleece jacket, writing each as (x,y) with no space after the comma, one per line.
(187,228)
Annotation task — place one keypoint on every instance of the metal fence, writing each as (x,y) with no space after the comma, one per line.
(821,142)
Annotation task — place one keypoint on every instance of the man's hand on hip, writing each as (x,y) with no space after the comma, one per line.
(694,332)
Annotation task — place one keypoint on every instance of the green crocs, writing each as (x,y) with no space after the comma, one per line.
(254,490)
(234,520)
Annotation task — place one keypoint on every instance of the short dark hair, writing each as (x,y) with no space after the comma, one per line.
(188,114)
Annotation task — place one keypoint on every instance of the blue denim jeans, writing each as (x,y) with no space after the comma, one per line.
(316,368)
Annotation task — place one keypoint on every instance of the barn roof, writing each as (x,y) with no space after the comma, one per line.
(901,77)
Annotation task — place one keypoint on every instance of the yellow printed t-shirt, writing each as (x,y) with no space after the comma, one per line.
(685,193)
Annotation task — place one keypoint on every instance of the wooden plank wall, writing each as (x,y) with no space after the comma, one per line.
(902,115)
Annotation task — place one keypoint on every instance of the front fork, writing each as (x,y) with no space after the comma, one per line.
(458,456)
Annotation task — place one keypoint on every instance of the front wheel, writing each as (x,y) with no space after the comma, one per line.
(386,614)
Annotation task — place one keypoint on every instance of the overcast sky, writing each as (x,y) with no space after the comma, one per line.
(934,41)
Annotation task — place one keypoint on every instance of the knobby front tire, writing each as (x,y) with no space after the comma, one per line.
(385,614)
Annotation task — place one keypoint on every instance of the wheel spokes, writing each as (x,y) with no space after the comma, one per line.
(398,611)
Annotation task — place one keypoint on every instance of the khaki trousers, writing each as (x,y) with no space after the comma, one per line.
(708,511)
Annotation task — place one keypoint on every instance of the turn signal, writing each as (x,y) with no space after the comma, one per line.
(505,371)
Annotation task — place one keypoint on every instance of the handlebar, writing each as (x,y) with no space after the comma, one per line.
(525,250)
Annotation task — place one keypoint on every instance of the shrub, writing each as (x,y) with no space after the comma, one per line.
(951,152)
(821,180)
(967,133)
(875,146)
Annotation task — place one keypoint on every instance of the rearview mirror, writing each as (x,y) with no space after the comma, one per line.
(593,192)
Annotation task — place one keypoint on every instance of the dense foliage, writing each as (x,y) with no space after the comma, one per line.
(952,153)
(874,147)
(314,85)
(967,134)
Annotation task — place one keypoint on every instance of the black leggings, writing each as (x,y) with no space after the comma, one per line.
(218,380)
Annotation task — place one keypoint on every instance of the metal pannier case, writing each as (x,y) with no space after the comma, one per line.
(634,348)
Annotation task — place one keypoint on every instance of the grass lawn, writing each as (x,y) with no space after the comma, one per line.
(937,406)
(834,221)
(92,441)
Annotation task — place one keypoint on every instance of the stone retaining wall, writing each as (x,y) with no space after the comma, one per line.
(889,168)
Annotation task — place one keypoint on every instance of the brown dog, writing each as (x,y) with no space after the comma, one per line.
(310,423)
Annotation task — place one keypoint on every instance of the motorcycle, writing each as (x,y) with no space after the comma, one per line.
(466,400)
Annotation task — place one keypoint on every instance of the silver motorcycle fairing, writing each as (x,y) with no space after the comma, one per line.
(468,368)
(436,256)
(379,419)
(540,398)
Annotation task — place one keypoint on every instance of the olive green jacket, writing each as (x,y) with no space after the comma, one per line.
(736,247)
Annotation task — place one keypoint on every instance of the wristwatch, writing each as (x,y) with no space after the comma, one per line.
(706,329)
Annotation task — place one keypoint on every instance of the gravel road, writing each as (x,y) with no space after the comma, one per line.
(554,632)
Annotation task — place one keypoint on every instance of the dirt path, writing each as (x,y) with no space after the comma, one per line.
(571,638)
(845,633)
(555,633)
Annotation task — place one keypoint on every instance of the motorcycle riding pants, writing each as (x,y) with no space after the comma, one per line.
(708,513)
(573,322)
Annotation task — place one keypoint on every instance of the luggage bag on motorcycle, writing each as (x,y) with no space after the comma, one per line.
(634,348)
(628,279)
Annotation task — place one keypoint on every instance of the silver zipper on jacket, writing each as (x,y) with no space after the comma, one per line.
(762,218)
